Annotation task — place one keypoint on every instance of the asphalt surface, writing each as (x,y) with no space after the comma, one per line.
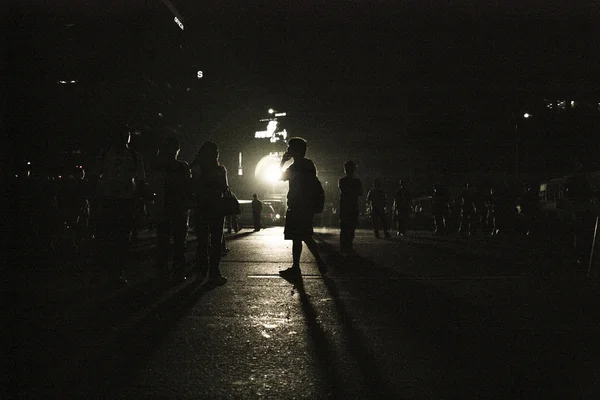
(418,317)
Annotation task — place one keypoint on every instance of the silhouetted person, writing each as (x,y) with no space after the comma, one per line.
(257,206)
(350,189)
(171,205)
(299,215)
(402,208)
(121,179)
(377,199)
(209,180)
(439,209)
(468,216)
(529,204)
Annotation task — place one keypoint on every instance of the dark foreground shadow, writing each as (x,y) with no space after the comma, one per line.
(96,353)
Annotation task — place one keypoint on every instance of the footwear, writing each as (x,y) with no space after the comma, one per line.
(217,280)
(290,273)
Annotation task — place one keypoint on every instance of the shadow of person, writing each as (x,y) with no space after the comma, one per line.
(322,348)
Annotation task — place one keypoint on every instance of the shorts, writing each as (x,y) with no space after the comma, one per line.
(298,224)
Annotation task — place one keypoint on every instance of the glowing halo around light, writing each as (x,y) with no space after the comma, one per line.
(268,169)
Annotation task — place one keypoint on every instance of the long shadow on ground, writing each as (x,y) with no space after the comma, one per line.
(544,345)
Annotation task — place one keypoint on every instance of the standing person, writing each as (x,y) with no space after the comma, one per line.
(121,177)
(299,215)
(402,207)
(439,209)
(257,206)
(209,182)
(173,184)
(376,197)
(350,189)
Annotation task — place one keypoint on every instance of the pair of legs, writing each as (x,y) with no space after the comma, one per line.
(209,231)
(175,226)
(256,220)
(439,220)
(378,218)
(297,251)
(347,230)
(401,222)
(298,229)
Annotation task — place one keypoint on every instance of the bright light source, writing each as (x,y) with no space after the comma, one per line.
(240,172)
(73,81)
(268,168)
(280,114)
(277,216)
(28,162)
(526,115)
(271,111)
(62,82)
(572,103)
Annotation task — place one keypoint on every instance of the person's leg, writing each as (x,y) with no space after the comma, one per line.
(216,242)
(384,224)
(374,219)
(296,252)
(202,234)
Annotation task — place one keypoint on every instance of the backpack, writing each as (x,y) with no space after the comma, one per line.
(317,196)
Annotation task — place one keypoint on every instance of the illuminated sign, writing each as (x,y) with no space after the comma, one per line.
(178,22)
(200,74)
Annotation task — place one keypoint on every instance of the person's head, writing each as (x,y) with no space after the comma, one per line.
(207,154)
(297,147)
(255,196)
(169,147)
(349,167)
(377,182)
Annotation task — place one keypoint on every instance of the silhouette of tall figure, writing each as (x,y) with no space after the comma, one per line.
(377,198)
(299,215)
(402,208)
(257,206)
(209,181)
(121,177)
(171,205)
(350,189)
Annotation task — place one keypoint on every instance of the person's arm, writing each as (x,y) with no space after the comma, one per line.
(287,174)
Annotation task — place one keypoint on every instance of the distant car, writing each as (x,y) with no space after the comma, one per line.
(269,216)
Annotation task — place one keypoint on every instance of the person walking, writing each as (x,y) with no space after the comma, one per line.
(350,190)
(171,206)
(299,216)
(209,182)
(402,207)
(377,199)
(121,177)
(257,206)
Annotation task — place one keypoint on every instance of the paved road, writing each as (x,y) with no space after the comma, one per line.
(408,318)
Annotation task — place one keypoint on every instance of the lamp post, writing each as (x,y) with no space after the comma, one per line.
(526,116)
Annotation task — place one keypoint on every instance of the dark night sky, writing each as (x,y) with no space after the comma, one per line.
(378,81)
